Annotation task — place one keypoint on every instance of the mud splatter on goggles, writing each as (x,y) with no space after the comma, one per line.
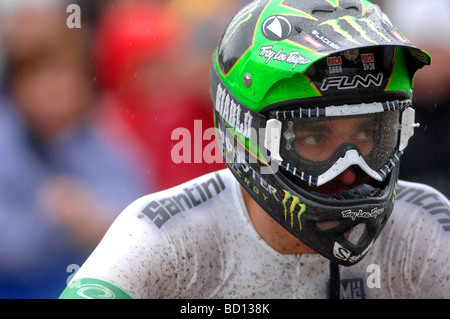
(318,144)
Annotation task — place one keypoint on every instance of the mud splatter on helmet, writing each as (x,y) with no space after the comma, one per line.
(284,68)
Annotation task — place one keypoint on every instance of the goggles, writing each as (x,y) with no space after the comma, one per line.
(318,144)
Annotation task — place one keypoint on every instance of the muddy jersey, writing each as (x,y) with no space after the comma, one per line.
(197,241)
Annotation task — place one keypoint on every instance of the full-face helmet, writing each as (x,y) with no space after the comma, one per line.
(304,91)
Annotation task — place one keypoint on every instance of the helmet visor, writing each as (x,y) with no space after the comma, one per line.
(319,144)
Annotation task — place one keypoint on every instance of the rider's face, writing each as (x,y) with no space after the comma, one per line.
(317,141)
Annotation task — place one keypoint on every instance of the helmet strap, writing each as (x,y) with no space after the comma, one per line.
(334,285)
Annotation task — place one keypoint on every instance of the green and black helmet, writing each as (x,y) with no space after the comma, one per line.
(304,90)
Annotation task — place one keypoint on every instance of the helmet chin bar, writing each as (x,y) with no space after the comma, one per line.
(342,231)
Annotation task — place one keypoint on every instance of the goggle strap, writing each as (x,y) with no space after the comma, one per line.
(407,127)
(341,110)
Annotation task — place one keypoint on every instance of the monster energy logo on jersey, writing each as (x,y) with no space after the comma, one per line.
(295,207)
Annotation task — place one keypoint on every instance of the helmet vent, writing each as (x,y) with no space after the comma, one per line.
(322,13)
(327,225)
(323,10)
(353,9)
(357,234)
(298,28)
(351,5)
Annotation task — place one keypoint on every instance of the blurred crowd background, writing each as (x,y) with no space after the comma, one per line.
(86,116)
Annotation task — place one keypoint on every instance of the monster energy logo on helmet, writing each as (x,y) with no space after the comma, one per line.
(357,25)
(295,207)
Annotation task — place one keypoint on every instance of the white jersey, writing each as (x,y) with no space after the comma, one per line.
(197,241)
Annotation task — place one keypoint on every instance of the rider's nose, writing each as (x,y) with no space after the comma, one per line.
(348,177)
